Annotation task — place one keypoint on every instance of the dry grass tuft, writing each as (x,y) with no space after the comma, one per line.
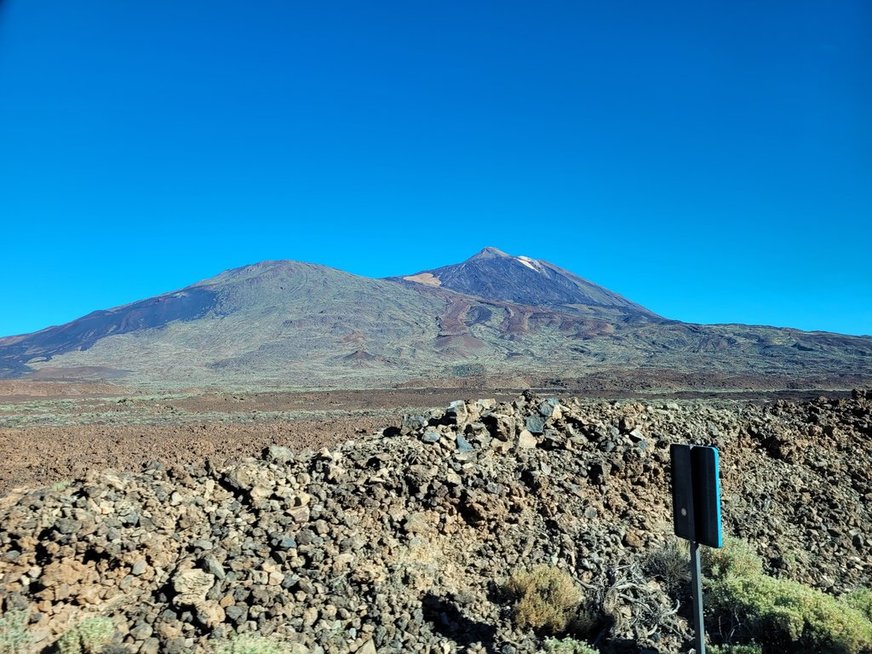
(547,598)
(670,564)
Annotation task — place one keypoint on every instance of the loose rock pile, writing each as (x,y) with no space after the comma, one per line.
(401,542)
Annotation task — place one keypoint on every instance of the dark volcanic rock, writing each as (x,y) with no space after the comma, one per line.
(400,543)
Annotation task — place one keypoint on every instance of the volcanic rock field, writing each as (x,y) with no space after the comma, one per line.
(402,541)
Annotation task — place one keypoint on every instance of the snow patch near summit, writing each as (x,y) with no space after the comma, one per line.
(532,264)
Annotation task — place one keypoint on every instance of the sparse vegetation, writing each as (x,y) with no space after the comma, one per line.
(547,599)
(250,644)
(736,558)
(90,636)
(13,636)
(735,649)
(783,615)
(568,646)
(861,599)
(400,527)
(670,564)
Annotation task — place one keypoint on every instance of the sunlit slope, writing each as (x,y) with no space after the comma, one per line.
(494,275)
(289,324)
(273,320)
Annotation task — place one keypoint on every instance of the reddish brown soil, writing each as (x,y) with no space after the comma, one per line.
(15,389)
(45,454)
(99,430)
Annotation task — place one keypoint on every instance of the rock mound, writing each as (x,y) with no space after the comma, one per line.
(402,542)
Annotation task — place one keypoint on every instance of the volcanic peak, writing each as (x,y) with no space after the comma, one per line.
(490,253)
(494,275)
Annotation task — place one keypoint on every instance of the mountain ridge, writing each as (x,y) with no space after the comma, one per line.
(494,315)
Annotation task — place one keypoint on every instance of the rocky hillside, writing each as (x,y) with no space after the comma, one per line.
(401,542)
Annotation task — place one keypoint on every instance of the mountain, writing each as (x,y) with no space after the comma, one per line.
(269,318)
(494,275)
(493,319)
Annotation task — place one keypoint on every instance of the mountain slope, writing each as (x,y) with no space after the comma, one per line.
(289,324)
(262,319)
(185,305)
(494,275)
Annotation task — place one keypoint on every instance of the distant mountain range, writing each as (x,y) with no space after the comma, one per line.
(492,319)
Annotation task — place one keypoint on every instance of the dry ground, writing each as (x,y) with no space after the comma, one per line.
(52,432)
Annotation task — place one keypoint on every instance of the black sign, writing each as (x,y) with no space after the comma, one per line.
(696,494)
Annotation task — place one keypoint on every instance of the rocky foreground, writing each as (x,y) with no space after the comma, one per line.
(401,542)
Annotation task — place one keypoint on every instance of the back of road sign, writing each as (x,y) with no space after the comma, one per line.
(696,494)
(707,495)
(682,492)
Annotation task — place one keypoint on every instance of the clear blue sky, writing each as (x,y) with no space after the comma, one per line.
(710,160)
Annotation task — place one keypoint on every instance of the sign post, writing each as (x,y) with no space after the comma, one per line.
(696,594)
(696,513)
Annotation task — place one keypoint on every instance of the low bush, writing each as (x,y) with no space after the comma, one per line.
(14,638)
(249,644)
(785,614)
(735,649)
(90,636)
(736,558)
(547,599)
(568,646)
(860,599)
(782,615)
(670,564)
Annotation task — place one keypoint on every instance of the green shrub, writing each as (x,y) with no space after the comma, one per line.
(547,599)
(735,649)
(567,646)
(860,599)
(250,644)
(14,638)
(736,558)
(90,636)
(783,615)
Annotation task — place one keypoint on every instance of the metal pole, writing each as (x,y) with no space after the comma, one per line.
(696,590)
